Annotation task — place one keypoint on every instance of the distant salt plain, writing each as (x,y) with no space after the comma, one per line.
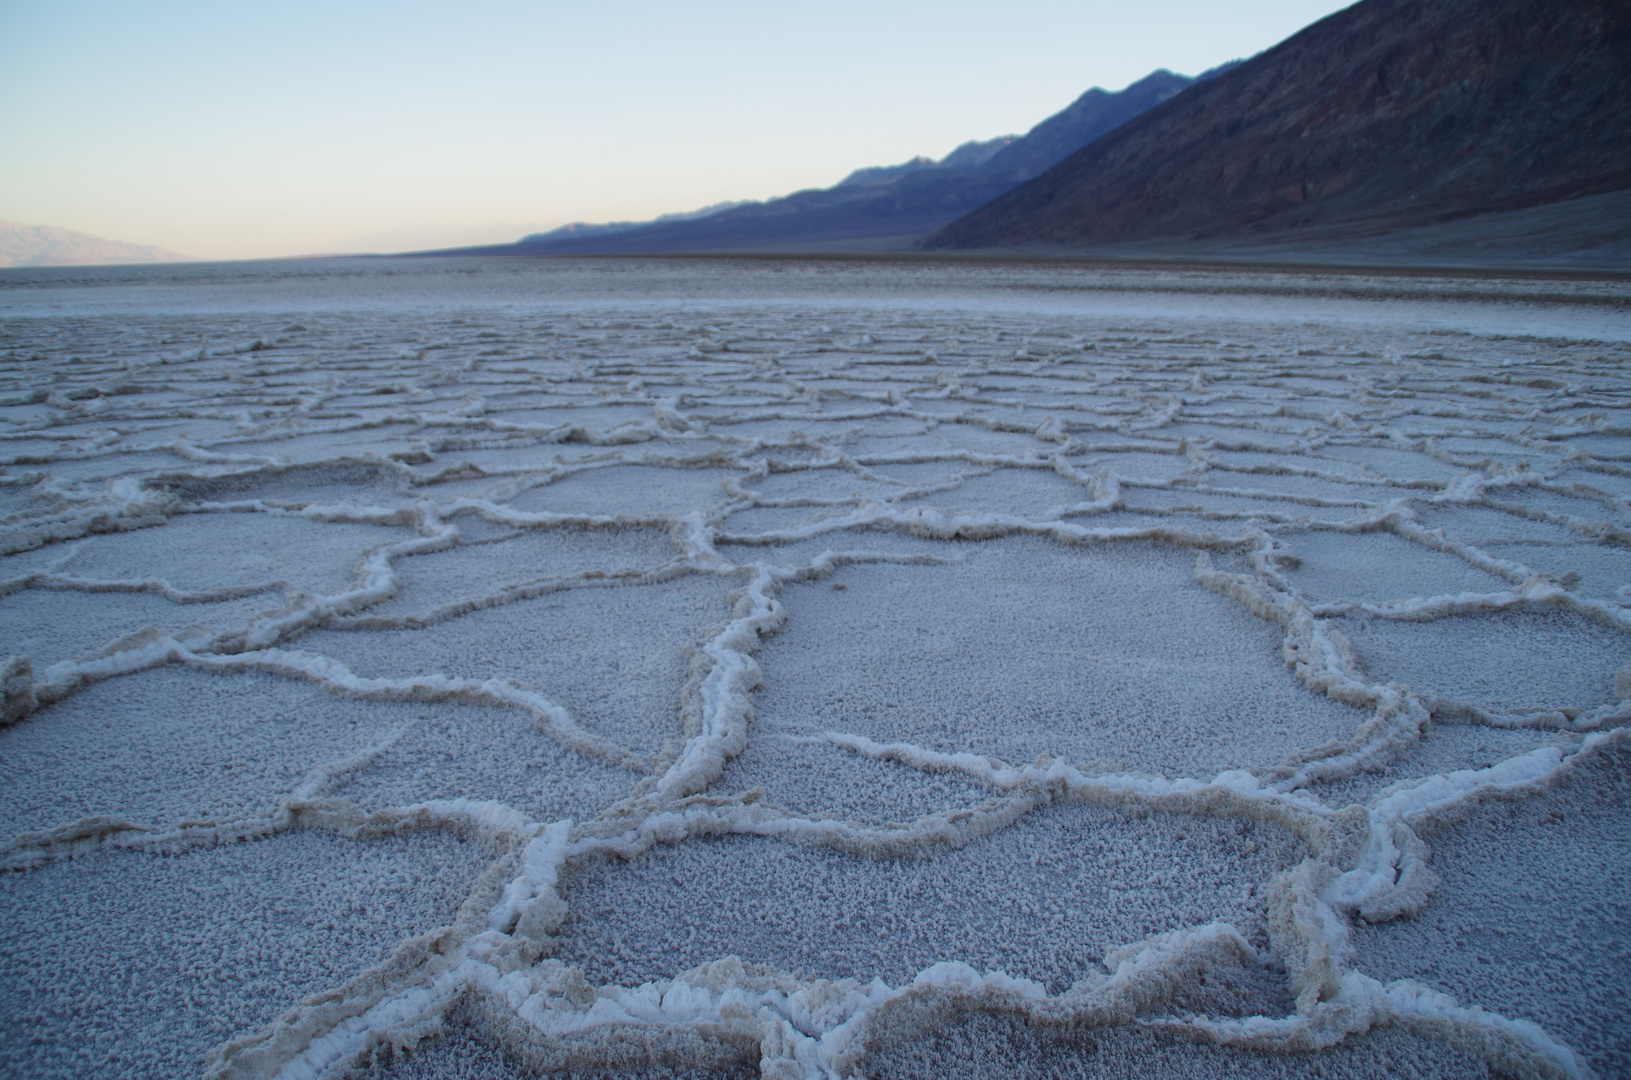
(805,669)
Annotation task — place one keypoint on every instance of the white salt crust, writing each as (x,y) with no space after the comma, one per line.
(125,964)
(812,670)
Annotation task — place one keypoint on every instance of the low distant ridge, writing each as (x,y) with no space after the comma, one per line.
(47,245)
(882,203)
(1389,116)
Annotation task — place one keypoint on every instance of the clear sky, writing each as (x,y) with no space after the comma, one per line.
(224,129)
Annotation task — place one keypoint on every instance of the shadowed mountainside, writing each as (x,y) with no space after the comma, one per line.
(896,201)
(1390,115)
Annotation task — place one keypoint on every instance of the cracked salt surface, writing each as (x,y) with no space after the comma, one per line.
(812,670)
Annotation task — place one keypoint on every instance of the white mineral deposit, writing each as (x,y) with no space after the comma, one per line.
(433,668)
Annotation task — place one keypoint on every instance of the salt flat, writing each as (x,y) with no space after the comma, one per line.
(813,668)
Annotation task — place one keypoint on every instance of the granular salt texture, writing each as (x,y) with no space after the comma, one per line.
(1512,661)
(197,552)
(639,491)
(51,625)
(980,1045)
(815,779)
(171,744)
(1378,566)
(1043,899)
(461,1053)
(614,656)
(1532,914)
(1109,655)
(484,753)
(456,1054)
(134,965)
(473,570)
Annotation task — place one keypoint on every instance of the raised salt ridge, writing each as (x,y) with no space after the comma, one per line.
(812,670)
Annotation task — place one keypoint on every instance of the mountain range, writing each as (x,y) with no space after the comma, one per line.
(1389,118)
(1436,130)
(872,208)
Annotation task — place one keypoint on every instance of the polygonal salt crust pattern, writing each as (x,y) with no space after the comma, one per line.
(987,1046)
(179,744)
(1378,566)
(614,656)
(198,552)
(1511,661)
(50,625)
(484,753)
(1043,899)
(471,571)
(135,965)
(1108,655)
(1531,914)
(631,393)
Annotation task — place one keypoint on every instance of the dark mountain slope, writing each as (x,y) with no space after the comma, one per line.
(906,201)
(1391,114)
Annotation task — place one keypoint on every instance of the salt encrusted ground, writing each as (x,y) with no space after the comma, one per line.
(807,669)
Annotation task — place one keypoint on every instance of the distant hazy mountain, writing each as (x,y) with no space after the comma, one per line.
(1390,115)
(46,245)
(874,205)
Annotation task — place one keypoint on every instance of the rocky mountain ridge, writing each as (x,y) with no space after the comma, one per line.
(1390,115)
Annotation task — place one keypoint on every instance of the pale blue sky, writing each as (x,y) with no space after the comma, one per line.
(228,130)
